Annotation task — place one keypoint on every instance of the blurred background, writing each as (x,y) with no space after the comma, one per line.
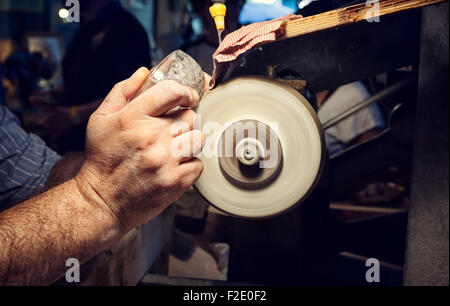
(47,56)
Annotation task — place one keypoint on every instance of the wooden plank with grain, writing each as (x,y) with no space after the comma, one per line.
(348,15)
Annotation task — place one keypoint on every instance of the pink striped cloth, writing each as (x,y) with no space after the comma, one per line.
(242,40)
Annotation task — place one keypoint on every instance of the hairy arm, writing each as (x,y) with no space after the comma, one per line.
(39,235)
(129,176)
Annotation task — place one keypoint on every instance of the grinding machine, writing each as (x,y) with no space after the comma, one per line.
(264,147)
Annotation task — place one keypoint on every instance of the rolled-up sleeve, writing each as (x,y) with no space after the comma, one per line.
(25,161)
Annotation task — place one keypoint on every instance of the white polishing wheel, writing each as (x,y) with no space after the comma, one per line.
(242,185)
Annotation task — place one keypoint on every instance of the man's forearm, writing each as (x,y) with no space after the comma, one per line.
(39,235)
(128,178)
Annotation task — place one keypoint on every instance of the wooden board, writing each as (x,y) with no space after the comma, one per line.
(349,15)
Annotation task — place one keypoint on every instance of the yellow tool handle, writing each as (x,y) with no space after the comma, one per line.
(218,12)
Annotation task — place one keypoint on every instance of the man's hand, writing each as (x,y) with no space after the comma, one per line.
(131,173)
(130,170)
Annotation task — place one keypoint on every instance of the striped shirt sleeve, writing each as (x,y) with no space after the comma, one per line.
(25,161)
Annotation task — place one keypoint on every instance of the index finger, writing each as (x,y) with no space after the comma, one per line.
(164,96)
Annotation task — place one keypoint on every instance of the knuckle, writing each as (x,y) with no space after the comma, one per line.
(172,179)
(148,134)
(194,97)
(151,138)
(122,122)
(153,160)
(159,158)
(144,139)
(173,90)
(179,127)
(176,179)
(117,86)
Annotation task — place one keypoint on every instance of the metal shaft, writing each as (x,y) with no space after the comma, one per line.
(375,98)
